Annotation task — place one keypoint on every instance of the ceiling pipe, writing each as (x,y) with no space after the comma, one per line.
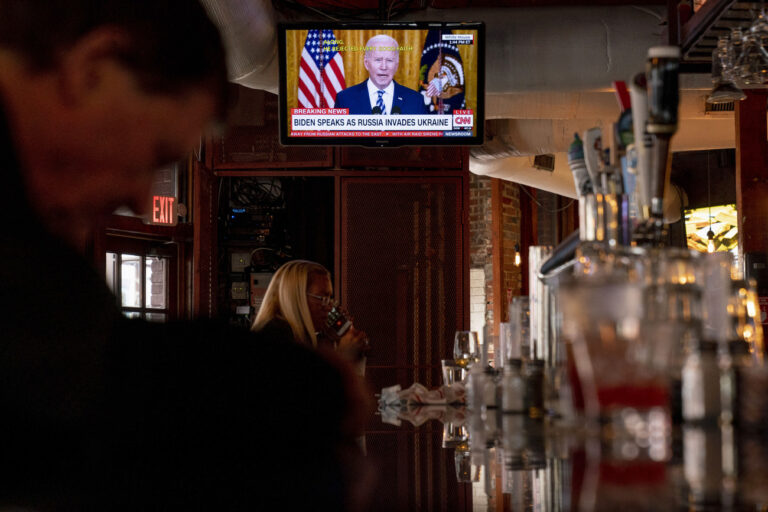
(560,181)
(528,137)
(523,137)
(562,49)
(249,32)
(528,48)
(520,170)
(598,104)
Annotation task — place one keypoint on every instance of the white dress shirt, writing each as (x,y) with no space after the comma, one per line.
(388,97)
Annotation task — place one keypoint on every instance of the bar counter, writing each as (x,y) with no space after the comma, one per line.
(443,458)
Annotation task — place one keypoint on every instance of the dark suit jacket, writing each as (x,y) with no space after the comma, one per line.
(356,99)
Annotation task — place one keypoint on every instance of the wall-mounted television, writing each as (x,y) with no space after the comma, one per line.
(381,84)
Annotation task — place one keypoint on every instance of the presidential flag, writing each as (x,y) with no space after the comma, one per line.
(321,74)
(441,74)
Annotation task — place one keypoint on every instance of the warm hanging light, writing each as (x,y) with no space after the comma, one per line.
(517,255)
(710,240)
(710,233)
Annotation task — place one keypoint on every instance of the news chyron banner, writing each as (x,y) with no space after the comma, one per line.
(338,122)
(330,92)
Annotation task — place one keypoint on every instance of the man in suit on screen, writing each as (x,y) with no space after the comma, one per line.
(380,94)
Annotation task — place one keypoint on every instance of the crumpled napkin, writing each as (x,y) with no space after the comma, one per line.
(418,394)
(417,404)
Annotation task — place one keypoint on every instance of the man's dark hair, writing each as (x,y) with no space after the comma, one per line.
(173,43)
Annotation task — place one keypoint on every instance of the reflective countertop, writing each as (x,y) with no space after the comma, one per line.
(444,458)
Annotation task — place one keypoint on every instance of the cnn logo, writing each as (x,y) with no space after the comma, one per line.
(462,120)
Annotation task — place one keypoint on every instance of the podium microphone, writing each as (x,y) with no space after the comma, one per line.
(396,110)
(376,110)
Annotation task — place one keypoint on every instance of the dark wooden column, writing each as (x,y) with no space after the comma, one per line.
(752,173)
(567,217)
(204,250)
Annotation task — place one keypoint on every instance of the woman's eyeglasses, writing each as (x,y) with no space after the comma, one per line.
(325,300)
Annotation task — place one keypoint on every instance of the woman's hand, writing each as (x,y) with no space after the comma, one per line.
(354,344)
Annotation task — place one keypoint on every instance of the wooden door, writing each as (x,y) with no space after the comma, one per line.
(403,272)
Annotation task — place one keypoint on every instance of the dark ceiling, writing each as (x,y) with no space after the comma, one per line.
(390,9)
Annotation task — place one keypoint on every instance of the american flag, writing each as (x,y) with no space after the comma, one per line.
(321,74)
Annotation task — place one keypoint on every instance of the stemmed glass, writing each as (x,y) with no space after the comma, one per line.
(752,64)
(724,89)
(740,60)
(465,348)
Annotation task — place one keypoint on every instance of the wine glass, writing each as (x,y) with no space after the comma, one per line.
(724,89)
(465,348)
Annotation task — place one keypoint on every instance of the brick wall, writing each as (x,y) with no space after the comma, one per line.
(480,252)
(481,249)
(547,205)
(479,220)
(510,214)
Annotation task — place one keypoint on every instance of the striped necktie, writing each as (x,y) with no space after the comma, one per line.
(380,101)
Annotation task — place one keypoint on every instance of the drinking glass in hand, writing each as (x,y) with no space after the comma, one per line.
(465,348)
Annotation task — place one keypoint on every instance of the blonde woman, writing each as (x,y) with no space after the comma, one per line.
(297,304)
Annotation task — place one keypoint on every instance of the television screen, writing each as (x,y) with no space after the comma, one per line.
(381,84)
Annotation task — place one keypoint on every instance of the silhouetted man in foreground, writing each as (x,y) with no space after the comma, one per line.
(104,413)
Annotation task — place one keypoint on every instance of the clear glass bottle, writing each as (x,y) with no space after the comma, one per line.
(489,408)
(475,385)
(743,356)
(674,312)
(534,388)
(512,387)
(701,385)
(490,389)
